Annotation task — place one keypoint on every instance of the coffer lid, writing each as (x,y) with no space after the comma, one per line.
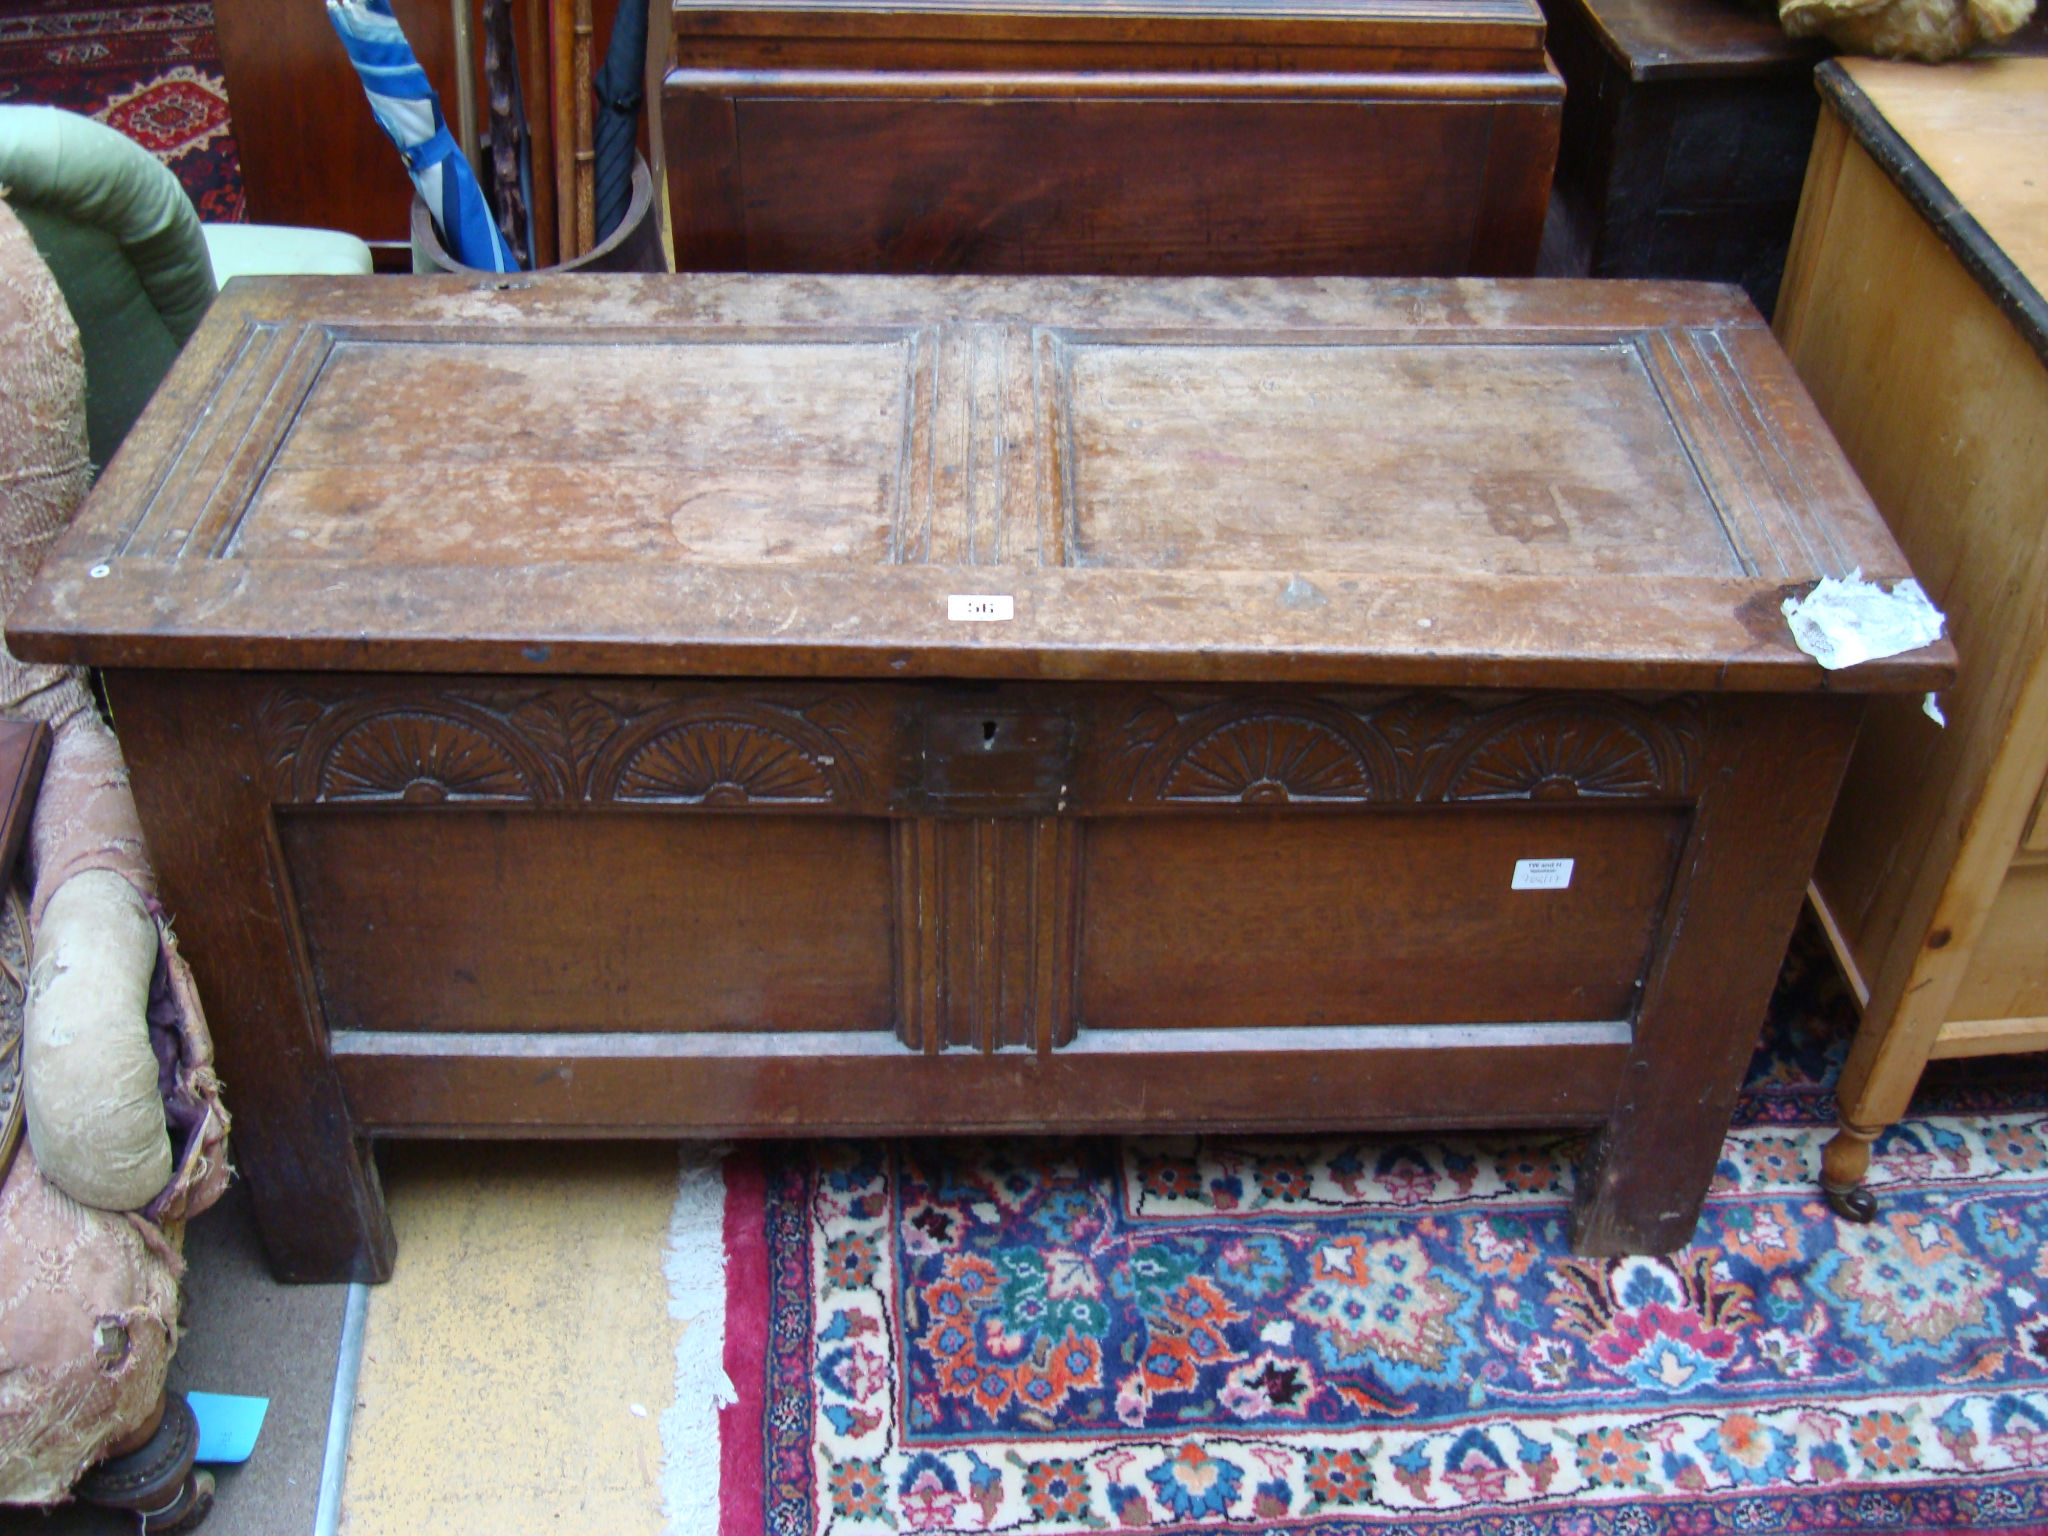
(1461,483)
(1512,30)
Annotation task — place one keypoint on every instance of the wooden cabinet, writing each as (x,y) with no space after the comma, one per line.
(1686,129)
(1913,310)
(1164,137)
(864,705)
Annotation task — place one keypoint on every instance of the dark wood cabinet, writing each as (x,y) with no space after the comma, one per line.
(1686,130)
(1686,126)
(860,705)
(1157,138)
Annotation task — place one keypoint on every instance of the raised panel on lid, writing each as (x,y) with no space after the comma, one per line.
(713,451)
(1444,460)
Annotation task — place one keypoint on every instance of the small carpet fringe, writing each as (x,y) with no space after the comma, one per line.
(693,1260)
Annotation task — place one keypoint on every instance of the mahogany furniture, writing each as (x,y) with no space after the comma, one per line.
(1913,309)
(1154,137)
(646,706)
(1686,127)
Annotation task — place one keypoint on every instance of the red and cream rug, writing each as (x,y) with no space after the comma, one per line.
(152,71)
(1343,1336)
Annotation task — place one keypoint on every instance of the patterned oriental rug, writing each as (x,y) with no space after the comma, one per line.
(152,71)
(1338,1336)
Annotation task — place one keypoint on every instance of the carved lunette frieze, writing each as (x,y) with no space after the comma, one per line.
(565,744)
(433,741)
(1416,747)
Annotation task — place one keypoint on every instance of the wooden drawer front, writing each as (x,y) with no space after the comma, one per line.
(1394,917)
(1136,174)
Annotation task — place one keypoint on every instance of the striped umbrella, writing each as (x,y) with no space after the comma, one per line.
(405,104)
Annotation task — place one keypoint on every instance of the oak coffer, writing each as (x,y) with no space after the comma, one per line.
(783,706)
(1138,137)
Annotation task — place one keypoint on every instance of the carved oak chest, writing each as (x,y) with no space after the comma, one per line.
(766,706)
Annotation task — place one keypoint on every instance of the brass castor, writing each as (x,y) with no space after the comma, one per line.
(1843,1163)
(156,1480)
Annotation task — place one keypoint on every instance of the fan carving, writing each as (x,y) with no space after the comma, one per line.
(1270,759)
(422,758)
(1417,747)
(723,762)
(568,744)
(1560,757)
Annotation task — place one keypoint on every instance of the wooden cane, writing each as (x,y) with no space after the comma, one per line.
(532,27)
(586,129)
(465,82)
(562,84)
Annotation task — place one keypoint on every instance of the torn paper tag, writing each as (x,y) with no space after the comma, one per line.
(1841,623)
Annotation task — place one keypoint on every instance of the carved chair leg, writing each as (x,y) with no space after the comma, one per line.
(1843,1163)
(156,1479)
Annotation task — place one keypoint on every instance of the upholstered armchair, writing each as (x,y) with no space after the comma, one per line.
(136,267)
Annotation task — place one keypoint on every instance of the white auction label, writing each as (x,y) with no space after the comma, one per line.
(980,610)
(1541,874)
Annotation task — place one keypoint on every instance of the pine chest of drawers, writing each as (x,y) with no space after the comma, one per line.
(785,706)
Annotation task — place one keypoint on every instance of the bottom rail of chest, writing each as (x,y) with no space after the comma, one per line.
(1217,1080)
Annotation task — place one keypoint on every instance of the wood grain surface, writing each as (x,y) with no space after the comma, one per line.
(1926,345)
(1980,129)
(788,475)
(1202,138)
(1477,34)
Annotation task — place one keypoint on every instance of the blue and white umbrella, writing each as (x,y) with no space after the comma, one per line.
(406,105)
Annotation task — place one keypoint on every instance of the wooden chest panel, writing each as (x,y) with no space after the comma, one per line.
(1379,917)
(1536,484)
(480,921)
(813,705)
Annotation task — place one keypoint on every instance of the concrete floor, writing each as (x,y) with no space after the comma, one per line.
(245,1334)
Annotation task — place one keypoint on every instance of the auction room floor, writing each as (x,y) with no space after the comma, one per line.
(513,1373)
